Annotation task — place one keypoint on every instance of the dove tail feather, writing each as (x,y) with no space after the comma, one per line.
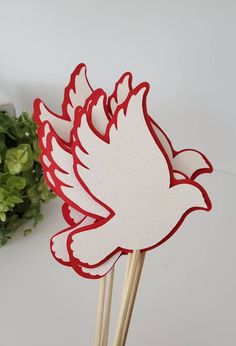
(58,245)
(99,271)
(92,245)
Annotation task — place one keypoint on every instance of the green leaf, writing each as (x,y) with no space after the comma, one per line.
(2,216)
(2,142)
(13,199)
(6,121)
(37,150)
(31,213)
(4,177)
(17,183)
(3,241)
(22,187)
(3,194)
(19,159)
(27,231)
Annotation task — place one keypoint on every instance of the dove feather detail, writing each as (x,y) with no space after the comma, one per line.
(61,254)
(76,94)
(71,215)
(63,180)
(59,156)
(122,88)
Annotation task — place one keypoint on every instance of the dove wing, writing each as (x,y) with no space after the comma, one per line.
(128,171)
(57,163)
(122,88)
(61,124)
(77,91)
(192,163)
(113,162)
(189,162)
(76,94)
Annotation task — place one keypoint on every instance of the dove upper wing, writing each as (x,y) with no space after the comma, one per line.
(192,163)
(61,124)
(122,88)
(76,94)
(189,162)
(77,91)
(112,172)
(57,163)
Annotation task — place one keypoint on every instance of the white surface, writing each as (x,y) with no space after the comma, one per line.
(5,104)
(186,50)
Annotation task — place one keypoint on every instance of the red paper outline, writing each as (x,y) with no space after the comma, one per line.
(79,271)
(74,264)
(181,173)
(67,264)
(173,181)
(94,98)
(66,100)
(48,153)
(177,152)
(67,217)
(66,117)
(114,94)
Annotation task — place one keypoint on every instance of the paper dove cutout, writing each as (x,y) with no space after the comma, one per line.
(97,207)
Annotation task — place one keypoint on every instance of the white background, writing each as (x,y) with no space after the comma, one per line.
(186,50)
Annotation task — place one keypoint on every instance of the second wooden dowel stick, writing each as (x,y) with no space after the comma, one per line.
(109,289)
(100,313)
(124,306)
(135,286)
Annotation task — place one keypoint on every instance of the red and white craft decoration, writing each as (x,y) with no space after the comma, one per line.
(123,185)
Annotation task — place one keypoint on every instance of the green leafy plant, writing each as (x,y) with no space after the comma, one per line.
(22,186)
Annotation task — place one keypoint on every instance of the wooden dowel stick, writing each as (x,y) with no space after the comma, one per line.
(100,313)
(127,273)
(133,297)
(126,278)
(124,307)
(109,289)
